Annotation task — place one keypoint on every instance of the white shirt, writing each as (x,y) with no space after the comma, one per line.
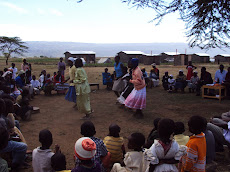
(15,70)
(41,79)
(35,83)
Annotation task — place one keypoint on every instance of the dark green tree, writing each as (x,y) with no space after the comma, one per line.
(207,22)
(11,45)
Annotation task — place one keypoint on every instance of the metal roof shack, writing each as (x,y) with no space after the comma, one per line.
(150,59)
(89,56)
(125,56)
(222,58)
(168,56)
(199,57)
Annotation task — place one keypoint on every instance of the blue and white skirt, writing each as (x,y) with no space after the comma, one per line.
(71,94)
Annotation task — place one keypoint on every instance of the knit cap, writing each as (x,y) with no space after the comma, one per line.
(85,148)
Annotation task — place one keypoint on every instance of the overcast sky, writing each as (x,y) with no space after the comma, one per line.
(91,21)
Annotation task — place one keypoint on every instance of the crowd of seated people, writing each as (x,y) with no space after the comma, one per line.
(165,149)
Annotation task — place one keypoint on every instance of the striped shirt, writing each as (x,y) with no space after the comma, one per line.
(114,146)
(195,159)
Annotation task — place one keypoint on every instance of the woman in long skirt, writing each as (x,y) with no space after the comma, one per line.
(137,98)
(82,89)
(71,94)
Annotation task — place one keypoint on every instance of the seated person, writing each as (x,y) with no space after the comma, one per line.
(153,134)
(20,79)
(171,83)
(134,160)
(165,81)
(115,144)
(88,130)
(58,162)
(220,75)
(178,134)
(155,71)
(193,82)
(205,78)
(41,156)
(48,85)
(59,83)
(4,136)
(181,82)
(85,150)
(107,80)
(35,84)
(145,75)
(227,83)
(154,78)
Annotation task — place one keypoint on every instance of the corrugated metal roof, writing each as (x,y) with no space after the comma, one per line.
(152,54)
(202,54)
(81,52)
(225,55)
(172,53)
(132,52)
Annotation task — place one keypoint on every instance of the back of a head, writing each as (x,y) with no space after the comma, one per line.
(138,139)
(155,123)
(45,138)
(58,161)
(2,106)
(196,124)
(179,128)
(114,130)
(88,129)
(166,128)
(78,63)
(9,106)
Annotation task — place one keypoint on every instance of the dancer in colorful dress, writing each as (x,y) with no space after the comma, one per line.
(82,89)
(137,98)
(71,94)
(190,68)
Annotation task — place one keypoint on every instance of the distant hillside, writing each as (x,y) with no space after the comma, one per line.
(56,49)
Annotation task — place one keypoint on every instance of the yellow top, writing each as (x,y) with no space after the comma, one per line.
(72,71)
(181,139)
(81,82)
(114,145)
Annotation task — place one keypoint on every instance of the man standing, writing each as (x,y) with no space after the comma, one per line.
(14,70)
(61,66)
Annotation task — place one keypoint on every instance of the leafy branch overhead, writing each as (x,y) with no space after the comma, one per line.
(10,45)
(207,22)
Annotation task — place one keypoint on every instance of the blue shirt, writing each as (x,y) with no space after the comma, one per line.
(19,82)
(220,76)
(118,70)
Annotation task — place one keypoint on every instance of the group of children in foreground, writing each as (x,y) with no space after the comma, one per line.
(165,154)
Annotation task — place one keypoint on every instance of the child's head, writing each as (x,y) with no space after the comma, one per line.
(58,161)
(196,124)
(106,70)
(25,92)
(45,138)
(166,73)
(88,129)
(55,73)
(136,141)
(179,128)
(155,123)
(5,69)
(114,130)
(171,76)
(195,73)
(48,75)
(34,77)
(85,148)
(165,128)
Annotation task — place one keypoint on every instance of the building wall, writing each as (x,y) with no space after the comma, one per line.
(148,60)
(124,58)
(220,58)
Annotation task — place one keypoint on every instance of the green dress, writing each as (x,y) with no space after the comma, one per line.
(82,91)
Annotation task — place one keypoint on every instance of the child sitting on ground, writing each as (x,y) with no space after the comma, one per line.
(48,86)
(164,153)
(107,80)
(115,144)
(178,134)
(153,134)
(41,156)
(58,162)
(195,159)
(88,130)
(85,150)
(134,160)
(36,85)
(171,83)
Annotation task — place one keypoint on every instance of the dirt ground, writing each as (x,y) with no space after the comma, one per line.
(57,115)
